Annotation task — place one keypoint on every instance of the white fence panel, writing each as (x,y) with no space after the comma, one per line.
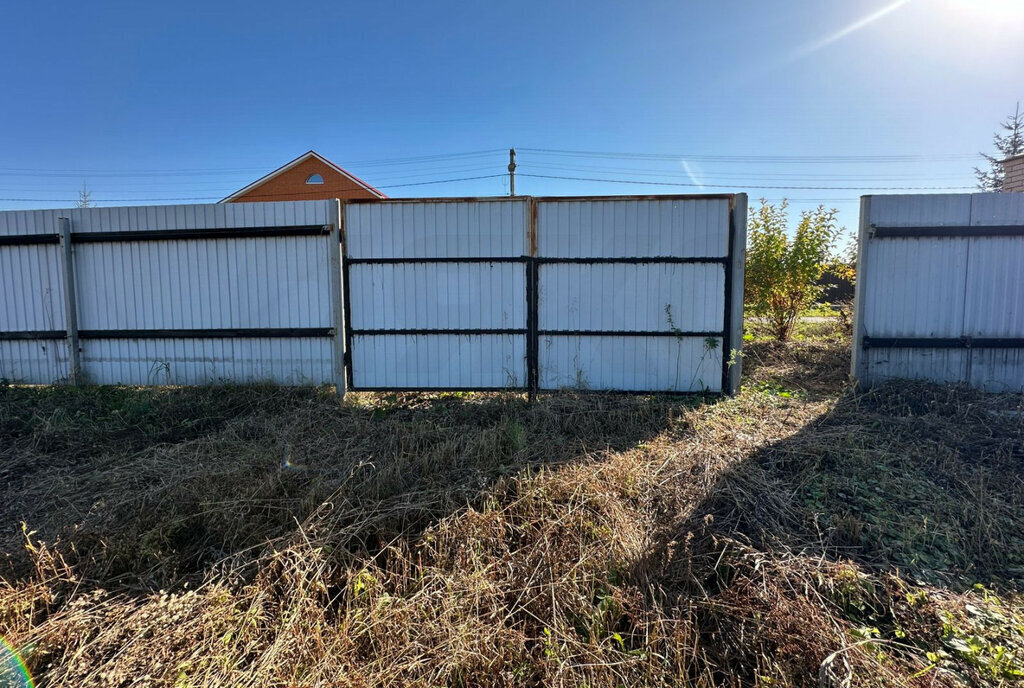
(940,294)
(624,227)
(439,361)
(175,294)
(463,228)
(632,297)
(437,293)
(633,293)
(928,276)
(196,361)
(631,363)
(450,296)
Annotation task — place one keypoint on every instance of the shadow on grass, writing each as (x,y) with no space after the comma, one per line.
(150,487)
(825,533)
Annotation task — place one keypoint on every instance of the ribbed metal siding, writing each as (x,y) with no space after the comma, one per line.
(447,361)
(669,364)
(205,283)
(437,295)
(398,296)
(627,297)
(287,361)
(945,287)
(34,362)
(923,283)
(632,297)
(173,284)
(628,228)
(433,229)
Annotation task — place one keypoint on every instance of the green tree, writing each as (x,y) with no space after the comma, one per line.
(782,274)
(1008,145)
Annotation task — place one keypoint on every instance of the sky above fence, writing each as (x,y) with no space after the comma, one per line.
(817,102)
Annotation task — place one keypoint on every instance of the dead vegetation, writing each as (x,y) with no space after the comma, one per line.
(799,534)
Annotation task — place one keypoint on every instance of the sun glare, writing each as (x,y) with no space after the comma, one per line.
(989,10)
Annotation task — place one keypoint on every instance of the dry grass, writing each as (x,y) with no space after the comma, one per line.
(267,537)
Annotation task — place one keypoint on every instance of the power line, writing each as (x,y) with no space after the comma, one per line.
(649,172)
(752,186)
(756,158)
(27,171)
(213,198)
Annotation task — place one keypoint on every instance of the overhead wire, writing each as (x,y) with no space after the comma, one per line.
(209,198)
(788,159)
(751,186)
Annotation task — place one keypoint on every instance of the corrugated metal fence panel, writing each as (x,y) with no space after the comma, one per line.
(949,287)
(631,363)
(33,361)
(398,296)
(276,282)
(205,216)
(995,288)
(995,295)
(924,210)
(425,295)
(433,229)
(924,280)
(641,297)
(31,288)
(204,283)
(31,299)
(629,228)
(287,361)
(630,297)
(448,361)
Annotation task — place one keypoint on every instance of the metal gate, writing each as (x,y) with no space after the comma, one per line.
(623,293)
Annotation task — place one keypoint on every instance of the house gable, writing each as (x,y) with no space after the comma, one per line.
(310,177)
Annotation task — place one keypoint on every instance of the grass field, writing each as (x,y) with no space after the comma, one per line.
(800,534)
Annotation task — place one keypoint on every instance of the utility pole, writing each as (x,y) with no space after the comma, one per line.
(511,171)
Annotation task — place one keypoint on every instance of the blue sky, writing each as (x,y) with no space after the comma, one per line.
(193,100)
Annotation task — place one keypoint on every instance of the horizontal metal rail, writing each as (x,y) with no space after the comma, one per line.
(942,343)
(950,231)
(167,235)
(626,333)
(437,331)
(417,259)
(212,333)
(630,260)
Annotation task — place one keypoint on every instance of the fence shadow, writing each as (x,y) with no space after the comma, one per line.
(913,480)
(153,486)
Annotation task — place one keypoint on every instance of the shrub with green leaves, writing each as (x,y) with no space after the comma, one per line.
(782,273)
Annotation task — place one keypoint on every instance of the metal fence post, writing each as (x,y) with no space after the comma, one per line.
(337,298)
(532,298)
(67,257)
(734,299)
(863,237)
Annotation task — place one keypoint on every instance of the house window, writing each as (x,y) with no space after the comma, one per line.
(315,179)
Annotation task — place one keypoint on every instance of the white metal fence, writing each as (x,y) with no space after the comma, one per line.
(172,294)
(613,293)
(940,290)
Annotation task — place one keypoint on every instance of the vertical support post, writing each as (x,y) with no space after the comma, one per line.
(734,280)
(337,296)
(857,363)
(67,256)
(532,297)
